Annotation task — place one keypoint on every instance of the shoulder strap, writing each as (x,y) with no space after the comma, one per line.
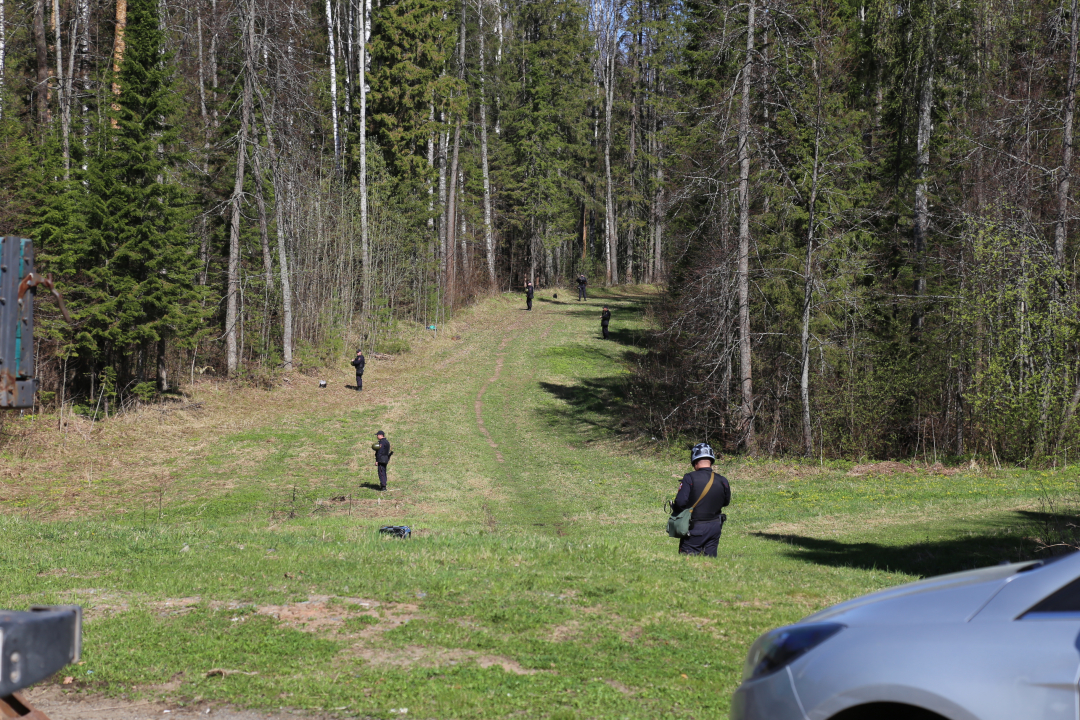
(708,486)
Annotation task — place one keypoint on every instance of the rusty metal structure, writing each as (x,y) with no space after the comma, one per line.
(18,286)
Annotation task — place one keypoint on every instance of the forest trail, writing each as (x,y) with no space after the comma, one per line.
(538,581)
(524,375)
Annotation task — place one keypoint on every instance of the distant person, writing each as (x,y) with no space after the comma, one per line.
(605,318)
(582,281)
(358,363)
(382,457)
(706,520)
(528,295)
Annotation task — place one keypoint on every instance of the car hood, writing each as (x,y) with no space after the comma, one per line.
(945,598)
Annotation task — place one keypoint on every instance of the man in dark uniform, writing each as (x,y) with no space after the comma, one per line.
(605,318)
(706,520)
(358,363)
(582,281)
(382,457)
(528,294)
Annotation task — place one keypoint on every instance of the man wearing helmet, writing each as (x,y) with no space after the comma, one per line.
(707,493)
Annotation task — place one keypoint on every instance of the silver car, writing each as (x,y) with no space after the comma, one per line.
(997,643)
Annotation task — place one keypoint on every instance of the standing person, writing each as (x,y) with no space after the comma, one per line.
(582,281)
(605,318)
(382,457)
(528,294)
(358,363)
(708,493)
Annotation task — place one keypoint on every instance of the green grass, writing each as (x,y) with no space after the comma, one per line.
(541,585)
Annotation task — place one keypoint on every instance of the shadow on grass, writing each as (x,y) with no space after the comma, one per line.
(1013,537)
(596,402)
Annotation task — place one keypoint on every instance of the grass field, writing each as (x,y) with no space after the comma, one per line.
(225,547)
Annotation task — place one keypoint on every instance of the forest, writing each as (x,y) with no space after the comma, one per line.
(859,212)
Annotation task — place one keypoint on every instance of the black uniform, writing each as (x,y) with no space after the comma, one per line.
(528,296)
(582,281)
(705,521)
(605,318)
(358,363)
(382,457)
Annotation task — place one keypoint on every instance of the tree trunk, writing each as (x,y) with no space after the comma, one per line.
(430,185)
(1063,196)
(84,67)
(264,234)
(61,94)
(658,214)
(745,369)
(281,192)
(201,69)
(365,243)
(498,64)
(118,46)
(213,61)
(610,228)
(442,151)
(204,232)
(232,306)
(463,235)
(808,277)
(658,199)
(451,217)
(457,178)
(489,245)
(922,165)
(348,65)
(162,376)
(283,263)
(1065,173)
(632,151)
(584,232)
(41,89)
(3,55)
(333,83)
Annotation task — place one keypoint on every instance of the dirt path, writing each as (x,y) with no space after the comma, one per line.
(479,405)
(77,706)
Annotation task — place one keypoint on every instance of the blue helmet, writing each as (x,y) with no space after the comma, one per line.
(701,450)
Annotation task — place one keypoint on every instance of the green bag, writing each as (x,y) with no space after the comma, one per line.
(678,526)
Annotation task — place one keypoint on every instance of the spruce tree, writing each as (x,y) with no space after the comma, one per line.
(134,258)
(411,44)
(546,133)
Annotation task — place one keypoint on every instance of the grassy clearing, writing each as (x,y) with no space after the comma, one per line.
(226,547)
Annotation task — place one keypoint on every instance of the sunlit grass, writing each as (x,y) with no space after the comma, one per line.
(541,585)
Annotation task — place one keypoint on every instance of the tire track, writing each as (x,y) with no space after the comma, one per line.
(479,403)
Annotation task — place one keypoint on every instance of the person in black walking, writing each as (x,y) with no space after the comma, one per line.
(528,295)
(382,457)
(358,363)
(605,318)
(707,493)
(582,281)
